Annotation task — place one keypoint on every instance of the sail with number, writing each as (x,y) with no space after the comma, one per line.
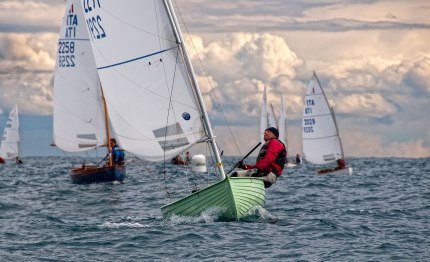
(321,142)
(154,102)
(9,147)
(140,66)
(79,122)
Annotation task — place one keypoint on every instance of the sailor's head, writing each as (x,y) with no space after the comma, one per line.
(271,133)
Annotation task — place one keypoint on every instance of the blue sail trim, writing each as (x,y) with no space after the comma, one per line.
(138,58)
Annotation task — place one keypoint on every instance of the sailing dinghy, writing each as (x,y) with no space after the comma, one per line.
(153,98)
(9,148)
(321,140)
(80,116)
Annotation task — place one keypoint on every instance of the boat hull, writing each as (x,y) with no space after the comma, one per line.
(94,174)
(345,171)
(234,196)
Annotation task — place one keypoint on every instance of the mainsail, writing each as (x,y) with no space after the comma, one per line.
(79,121)
(321,142)
(9,147)
(151,103)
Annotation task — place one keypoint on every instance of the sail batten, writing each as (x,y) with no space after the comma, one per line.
(134,59)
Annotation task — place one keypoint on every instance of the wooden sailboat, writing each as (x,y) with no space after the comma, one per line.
(321,140)
(154,101)
(80,115)
(10,143)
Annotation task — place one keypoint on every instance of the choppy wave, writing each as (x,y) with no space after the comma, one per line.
(380,213)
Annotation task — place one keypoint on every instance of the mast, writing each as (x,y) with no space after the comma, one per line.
(107,128)
(332,114)
(182,47)
(337,131)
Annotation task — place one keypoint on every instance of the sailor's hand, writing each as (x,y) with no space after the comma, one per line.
(241,165)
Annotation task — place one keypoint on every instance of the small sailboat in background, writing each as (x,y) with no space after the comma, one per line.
(283,129)
(9,148)
(154,101)
(321,140)
(267,116)
(268,119)
(80,115)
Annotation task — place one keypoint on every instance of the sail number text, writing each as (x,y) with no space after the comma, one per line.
(66,57)
(94,23)
(309,103)
(308,124)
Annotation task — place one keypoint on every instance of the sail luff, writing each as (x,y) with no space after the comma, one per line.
(207,124)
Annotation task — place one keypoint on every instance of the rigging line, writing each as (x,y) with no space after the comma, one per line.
(207,77)
(142,164)
(168,113)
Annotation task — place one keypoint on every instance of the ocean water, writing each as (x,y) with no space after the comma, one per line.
(380,213)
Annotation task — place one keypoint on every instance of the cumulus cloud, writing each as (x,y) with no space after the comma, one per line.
(241,65)
(30,16)
(27,62)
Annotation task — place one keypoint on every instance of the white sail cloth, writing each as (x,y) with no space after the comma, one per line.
(9,147)
(79,121)
(151,104)
(321,143)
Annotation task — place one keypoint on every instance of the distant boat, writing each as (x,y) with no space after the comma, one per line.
(267,116)
(9,148)
(154,101)
(80,115)
(321,140)
(268,119)
(283,128)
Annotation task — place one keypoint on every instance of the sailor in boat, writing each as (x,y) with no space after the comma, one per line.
(298,159)
(117,153)
(341,164)
(187,157)
(18,160)
(179,160)
(270,161)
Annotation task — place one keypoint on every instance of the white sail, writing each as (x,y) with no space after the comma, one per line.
(79,121)
(321,143)
(149,95)
(264,121)
(282,128)
(9,147)
(271,116)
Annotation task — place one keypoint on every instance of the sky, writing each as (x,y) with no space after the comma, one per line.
(372,58)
